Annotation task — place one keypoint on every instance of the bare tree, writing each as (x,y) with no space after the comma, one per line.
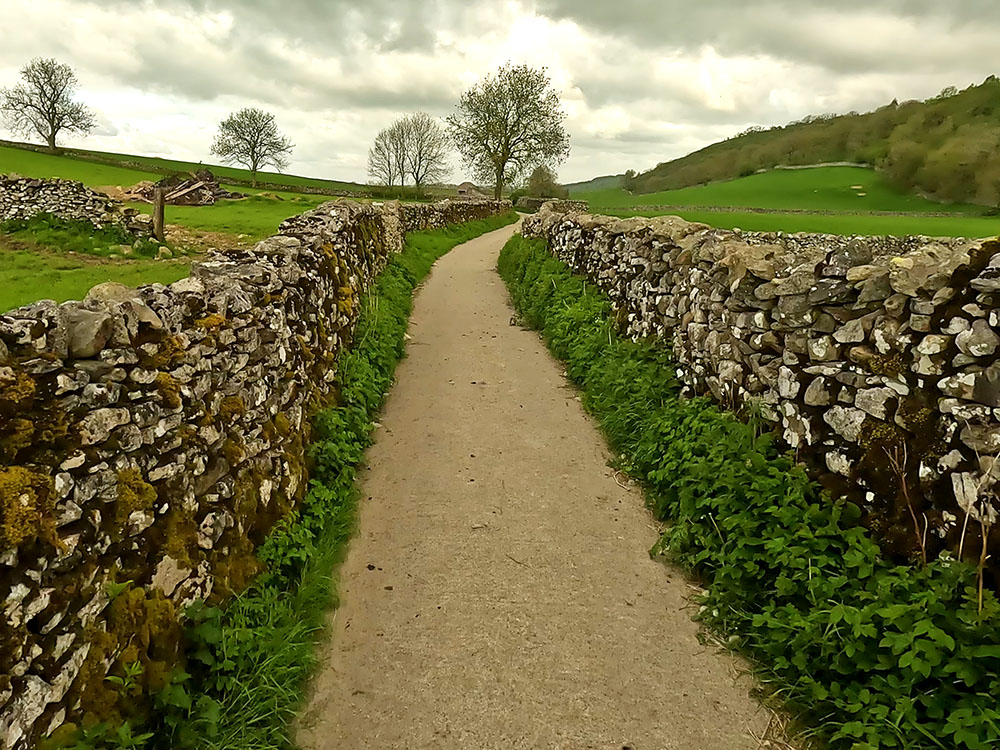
(427,151)
(43,103)
(381,161)
(414,146)
(509,123)
(251,139)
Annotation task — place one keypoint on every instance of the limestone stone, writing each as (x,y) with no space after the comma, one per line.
(979,340)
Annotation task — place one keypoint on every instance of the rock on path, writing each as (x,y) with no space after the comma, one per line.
(499,593)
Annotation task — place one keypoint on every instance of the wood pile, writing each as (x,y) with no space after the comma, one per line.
(200,188)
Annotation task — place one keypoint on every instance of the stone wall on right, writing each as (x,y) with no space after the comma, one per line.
(875,357)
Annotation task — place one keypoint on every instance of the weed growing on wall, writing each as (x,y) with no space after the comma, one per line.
(875,655)
(247,663)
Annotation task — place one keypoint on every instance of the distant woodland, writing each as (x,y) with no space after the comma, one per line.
(947,148)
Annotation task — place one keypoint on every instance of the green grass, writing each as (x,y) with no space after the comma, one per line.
(248,663)
(73,164)
(856,224)
(255,217)
(30,275)
(816,189)
(34,164)
(50,258)
(874,655)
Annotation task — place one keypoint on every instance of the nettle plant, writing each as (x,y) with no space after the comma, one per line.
(872,654)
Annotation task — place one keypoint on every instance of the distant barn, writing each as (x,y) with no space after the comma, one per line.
(468,190)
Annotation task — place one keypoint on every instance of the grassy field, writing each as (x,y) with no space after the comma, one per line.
(34,164)
(30,274)
(253,218)
(852,193)
(851,189)
(73,164)
(845,224)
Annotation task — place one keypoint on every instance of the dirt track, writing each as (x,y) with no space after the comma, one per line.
(499,594)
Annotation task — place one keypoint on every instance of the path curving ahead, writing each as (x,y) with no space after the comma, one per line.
(499,594)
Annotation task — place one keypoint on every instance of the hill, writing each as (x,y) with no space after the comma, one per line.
(821,189)
(149,167)
(947,148)
(610,182)
(835,200)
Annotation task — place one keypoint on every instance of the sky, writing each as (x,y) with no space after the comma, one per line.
(641,81)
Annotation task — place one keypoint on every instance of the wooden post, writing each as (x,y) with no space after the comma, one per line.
(158,229)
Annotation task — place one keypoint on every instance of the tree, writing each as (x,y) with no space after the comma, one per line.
(415,146)
(251,139)
(542,184)
(43,102)
(509,123)
(381,160)
(427,149)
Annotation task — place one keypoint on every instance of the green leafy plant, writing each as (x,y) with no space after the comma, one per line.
(874,655)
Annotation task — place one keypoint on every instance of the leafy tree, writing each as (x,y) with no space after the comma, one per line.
(543,184)
(251,139)
(509,123)
(42,103)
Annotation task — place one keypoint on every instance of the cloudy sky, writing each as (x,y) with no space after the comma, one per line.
(642,81)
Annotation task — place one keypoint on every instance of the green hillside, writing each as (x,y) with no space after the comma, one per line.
(947,147)
(151,167)
(610,182)
(834,200)
(34,164)
(849,189)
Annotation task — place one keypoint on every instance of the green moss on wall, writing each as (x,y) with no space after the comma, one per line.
(134,493)
(25,506)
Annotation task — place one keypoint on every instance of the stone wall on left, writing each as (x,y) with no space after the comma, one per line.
(24,197)
(151,438)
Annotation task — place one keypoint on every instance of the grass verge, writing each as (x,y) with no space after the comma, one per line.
(50,258)
(248,662)
(872,654)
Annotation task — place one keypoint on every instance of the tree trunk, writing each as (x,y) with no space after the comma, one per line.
(51,140)
(253,177)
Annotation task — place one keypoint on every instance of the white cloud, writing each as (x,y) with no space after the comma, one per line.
(642,82)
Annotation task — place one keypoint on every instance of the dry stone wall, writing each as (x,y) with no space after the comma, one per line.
(875,357)
(151,438)
(24,197)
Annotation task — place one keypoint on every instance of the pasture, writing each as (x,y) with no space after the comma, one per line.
(836,200)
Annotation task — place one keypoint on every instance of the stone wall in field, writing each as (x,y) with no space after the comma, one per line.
(151,438)
(24,197)
(875,357)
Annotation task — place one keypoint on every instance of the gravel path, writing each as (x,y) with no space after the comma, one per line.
(499,593)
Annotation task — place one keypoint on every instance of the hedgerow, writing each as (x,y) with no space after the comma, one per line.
(873,654)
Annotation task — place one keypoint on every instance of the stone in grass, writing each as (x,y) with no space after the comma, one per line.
(164,253)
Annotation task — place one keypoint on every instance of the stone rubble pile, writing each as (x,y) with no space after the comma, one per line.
(24,197)
(200,188)
(876,357)
(150,438)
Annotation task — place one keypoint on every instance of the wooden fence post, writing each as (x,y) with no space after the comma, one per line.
(158,201)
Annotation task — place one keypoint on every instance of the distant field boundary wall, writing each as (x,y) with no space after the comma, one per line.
(24,197)
(151,438)
(876,358)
